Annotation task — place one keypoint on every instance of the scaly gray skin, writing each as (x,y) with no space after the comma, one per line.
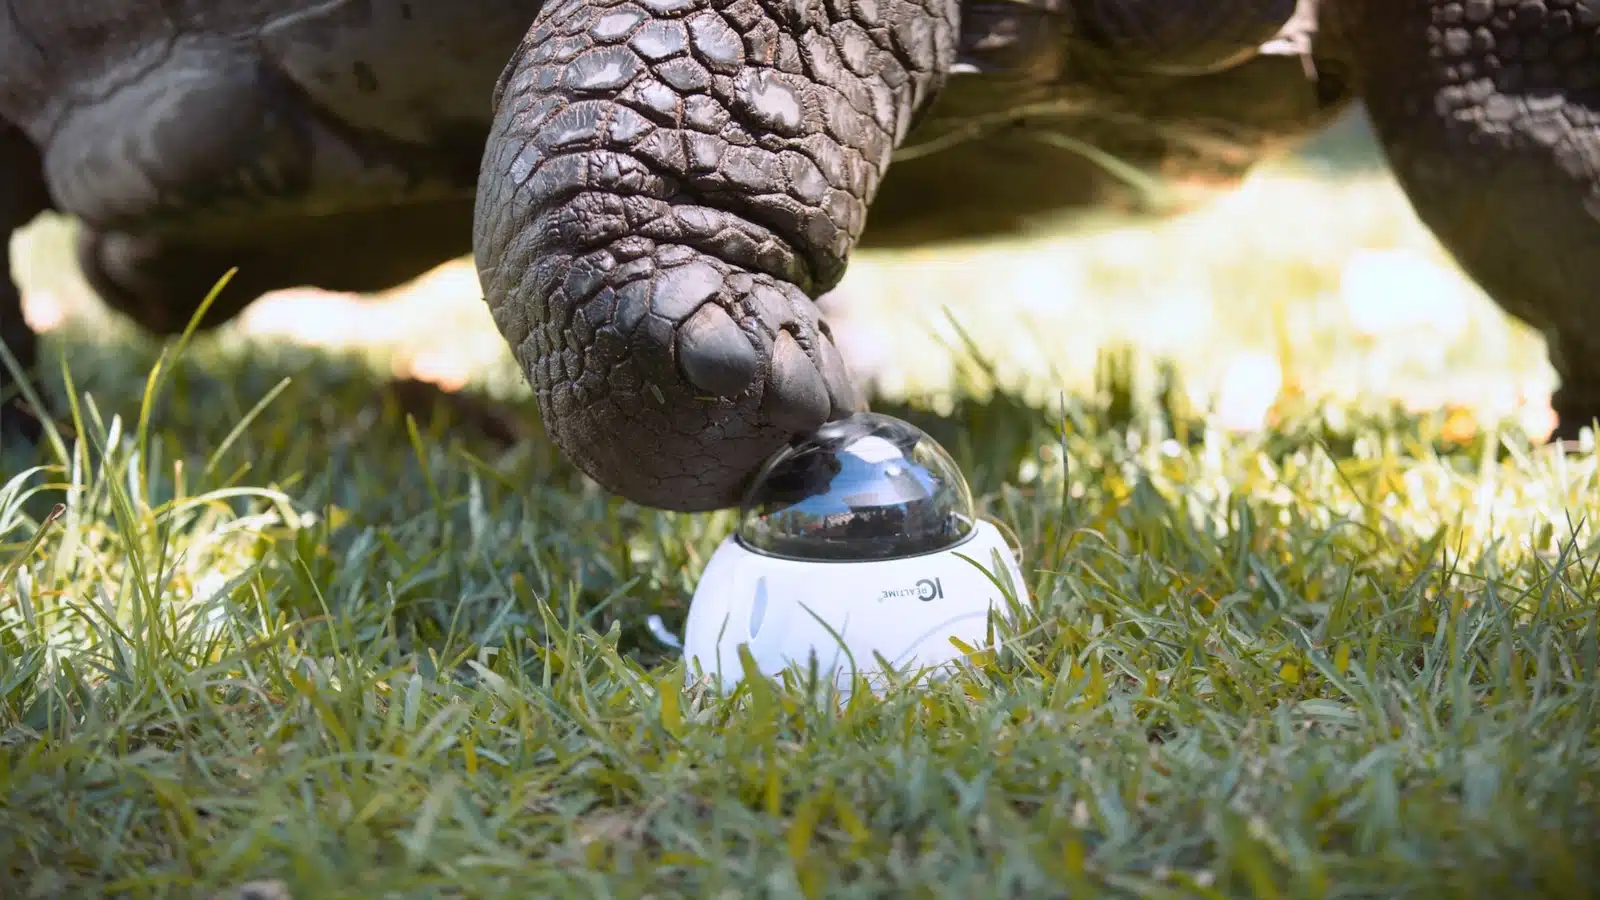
(660,189)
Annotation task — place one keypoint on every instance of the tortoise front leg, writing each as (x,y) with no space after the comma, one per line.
(666,189)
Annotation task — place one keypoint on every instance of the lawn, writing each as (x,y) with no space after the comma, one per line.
(1349,650)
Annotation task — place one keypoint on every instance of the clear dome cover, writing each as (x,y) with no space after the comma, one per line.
(868,487)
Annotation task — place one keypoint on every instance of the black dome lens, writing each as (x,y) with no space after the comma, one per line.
(868,487)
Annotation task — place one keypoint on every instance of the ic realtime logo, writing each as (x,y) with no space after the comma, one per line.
(928,589)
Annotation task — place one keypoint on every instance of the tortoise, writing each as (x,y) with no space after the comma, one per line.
(656,193)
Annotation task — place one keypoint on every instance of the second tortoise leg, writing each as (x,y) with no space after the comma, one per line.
(217,161)
(1495,139)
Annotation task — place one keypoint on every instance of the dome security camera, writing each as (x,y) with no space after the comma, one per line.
(857,542)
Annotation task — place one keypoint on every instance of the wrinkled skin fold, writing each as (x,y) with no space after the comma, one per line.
(1181,36)
(667,187)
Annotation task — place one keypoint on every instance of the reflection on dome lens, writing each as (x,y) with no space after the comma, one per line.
(864,488)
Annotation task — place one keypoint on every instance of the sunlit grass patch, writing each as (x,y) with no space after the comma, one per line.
(1334,283)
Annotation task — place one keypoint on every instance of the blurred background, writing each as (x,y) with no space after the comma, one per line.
(1311,280)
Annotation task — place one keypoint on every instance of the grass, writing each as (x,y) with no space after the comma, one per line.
(276,633)
(1311,663)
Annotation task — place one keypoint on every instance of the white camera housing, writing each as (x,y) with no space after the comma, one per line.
(787,611)
(855,544)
